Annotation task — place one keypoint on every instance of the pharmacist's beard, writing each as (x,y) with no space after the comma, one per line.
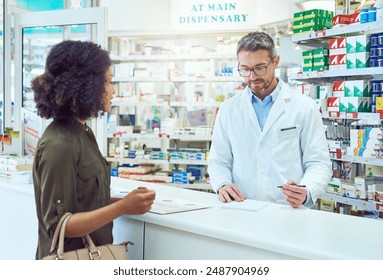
(260,87)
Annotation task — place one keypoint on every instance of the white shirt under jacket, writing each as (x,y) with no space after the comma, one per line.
(292,145)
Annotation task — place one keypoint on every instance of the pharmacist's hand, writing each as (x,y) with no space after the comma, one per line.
(293,194)
(229,193)
(139,201)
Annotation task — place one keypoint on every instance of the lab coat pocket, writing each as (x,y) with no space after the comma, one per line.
(286,145)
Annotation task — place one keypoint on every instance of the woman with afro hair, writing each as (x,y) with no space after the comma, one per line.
(69,172)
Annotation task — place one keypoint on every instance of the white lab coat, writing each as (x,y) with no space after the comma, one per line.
(292,145)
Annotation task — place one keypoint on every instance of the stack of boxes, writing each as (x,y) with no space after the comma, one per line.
(376,50)
(376,95)
(365,142)
(182,177)
(312,20)
(358,51)
(315,60)
(337,50)
(356,97)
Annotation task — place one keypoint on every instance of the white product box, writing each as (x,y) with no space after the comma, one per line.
(362,59)
(351,60)
(347,190)
(310,90)
(325,91)
(363,43)
(357,88)
(351,44)
(373,132)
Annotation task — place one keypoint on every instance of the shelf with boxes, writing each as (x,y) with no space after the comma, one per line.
(178,159)
(183,73)
(173,83)
(363,195)
(342,71)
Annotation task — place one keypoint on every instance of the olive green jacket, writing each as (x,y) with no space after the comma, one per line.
(69,175)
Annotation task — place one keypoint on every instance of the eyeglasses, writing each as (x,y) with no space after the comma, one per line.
(258,70)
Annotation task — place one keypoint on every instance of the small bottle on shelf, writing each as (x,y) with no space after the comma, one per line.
(156,129)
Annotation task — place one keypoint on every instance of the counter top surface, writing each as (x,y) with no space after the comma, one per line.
(301,233)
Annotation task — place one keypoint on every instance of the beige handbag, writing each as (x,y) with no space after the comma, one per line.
(90,252)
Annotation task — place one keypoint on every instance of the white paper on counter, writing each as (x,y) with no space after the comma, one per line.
(246,205)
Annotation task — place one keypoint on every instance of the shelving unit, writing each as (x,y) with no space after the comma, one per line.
(184,78)
(320,39)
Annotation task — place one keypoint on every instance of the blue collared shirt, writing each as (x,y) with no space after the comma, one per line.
(262,108)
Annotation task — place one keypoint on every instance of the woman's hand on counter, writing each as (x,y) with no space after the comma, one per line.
(138,201)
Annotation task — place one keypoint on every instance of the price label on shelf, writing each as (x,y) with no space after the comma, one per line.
(320,73)
(334,114)
(351,115)
(299,75)
(320,33)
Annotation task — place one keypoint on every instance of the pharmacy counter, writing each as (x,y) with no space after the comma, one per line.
(273,232)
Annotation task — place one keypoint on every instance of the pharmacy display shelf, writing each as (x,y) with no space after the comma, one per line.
(180,79)
(120,102)
(188,162)
(316,38)
(361,204)
(140,79)
(122,160)
(206,79)
(358,73)
(352,115)
(124,136)
(190,137)
(363,160)
(194,104)
(173,57)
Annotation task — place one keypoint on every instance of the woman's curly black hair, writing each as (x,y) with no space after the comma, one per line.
(72,85)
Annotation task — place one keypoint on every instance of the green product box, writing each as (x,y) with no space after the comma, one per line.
(299,23)
(363,43)
(357,88)
(351,60)
(320,67)
(320,52)
(298,16)
(356,104)
(307,68)
(307,62)
(297,30)
(307,54)
(312,13)
(343,104)
(322,60)
(309,29)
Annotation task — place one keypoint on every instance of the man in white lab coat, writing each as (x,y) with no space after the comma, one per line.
(268,136)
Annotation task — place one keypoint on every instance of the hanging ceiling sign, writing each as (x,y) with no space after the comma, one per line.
(213,14)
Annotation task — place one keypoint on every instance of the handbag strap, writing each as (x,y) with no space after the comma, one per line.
(57,231)
(93,251)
